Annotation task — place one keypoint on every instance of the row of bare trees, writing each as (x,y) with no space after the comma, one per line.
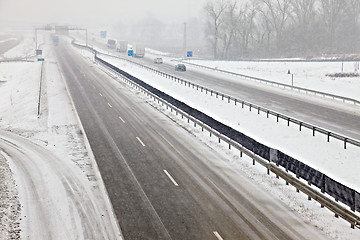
(282,28)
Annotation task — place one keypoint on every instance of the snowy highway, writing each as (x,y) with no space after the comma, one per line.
(300,106)
(162,182)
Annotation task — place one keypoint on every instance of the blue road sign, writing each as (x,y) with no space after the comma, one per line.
(130,52)
(103,34)
(189,54)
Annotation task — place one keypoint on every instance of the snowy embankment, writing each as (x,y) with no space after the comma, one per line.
(53,189)
(310,75)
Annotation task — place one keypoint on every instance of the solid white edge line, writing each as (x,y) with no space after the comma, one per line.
(171,178)
(109,105)
(122,119)
(140,141)
(218,235)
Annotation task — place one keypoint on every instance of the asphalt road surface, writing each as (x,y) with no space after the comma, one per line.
(329,117)
(163,183)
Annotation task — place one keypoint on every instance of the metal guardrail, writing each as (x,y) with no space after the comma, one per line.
(346,140)
(312,193)
(329,95)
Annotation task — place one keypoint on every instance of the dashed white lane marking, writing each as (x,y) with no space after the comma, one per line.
(122,119)
(171,178)
(217,235)
(140,141)
(100,94)
(109,105)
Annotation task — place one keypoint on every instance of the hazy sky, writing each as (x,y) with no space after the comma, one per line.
(89,12)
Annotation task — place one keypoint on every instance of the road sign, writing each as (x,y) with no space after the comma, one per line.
(130,52)
(103,34)
(38,52)
(189,54)
(41,59)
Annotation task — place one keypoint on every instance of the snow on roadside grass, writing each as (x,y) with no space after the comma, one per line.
(57,131)
(329,158)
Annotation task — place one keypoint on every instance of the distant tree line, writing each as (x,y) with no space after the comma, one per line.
(282,28)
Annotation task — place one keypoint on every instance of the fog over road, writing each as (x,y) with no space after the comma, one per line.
(163,183)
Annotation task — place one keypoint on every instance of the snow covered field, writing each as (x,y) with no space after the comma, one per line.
(53,189)
(310,75)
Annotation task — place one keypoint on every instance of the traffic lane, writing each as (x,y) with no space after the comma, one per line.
(129,202)
(333,119)
(182,219)
(7,45)
(190,159)
(160,209)
(134,223)
(231,228)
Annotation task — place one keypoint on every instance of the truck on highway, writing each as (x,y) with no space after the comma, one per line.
(139,51)
(122,46)
(55,39)
(111,44)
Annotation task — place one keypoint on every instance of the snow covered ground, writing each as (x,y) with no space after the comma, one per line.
(51,187)
(310,75)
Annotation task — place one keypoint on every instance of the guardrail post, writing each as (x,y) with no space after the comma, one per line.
(250,107)
(235,101)
(345,140)
(300,124)
(313,128)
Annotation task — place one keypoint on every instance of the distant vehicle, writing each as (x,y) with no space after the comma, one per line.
(139,51)
(55,39)
(158,60)
(111,44)
(122,46)
(180,67)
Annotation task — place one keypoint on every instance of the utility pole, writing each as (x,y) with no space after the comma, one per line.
(184,41)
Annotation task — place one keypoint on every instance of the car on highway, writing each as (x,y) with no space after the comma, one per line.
(180,67)
(158,60)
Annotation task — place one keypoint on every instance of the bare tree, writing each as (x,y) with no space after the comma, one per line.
(276,13)
(215,11)
(232,18)
(303,16)
(332,13)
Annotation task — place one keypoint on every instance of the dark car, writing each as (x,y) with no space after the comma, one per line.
(180,67)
